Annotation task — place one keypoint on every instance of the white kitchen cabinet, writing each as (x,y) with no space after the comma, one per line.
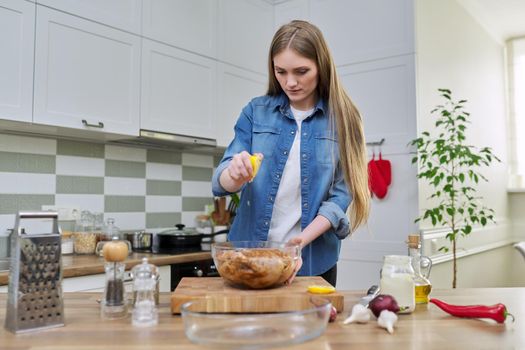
(359,31)
(245,33)
(235,88)
(385,93)
(95,283)
(287,11)
(190,25)
(178,91)
(87,75)
(122,14)
(17,31)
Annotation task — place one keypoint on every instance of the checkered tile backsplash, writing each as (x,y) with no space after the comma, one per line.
(139,188)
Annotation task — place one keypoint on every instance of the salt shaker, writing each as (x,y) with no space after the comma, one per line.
(145,278)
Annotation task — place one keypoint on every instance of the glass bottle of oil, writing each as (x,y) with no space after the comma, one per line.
(421,265)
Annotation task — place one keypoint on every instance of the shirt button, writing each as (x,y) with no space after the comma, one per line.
(277,176)
(304,134)
(270,198)
(285,152)
(292,132)
(305,180)
(304,155)
(266,223)
(305,205)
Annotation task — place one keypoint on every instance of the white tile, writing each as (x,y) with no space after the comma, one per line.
(163,204)
(25,144)
(91,202)
(124,186)
(160,171)
(125,153)
(128,221)
(27,183)
(197,160)
(189,218)
(196,189)
(80,166)
(7,221)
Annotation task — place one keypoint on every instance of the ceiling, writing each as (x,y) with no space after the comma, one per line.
(503,19)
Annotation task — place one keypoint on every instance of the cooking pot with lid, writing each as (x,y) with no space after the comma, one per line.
(181,238)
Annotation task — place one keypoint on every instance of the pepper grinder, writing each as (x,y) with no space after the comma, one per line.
(145,282)
(114,304)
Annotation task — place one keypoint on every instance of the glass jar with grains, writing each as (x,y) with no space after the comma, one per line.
(85,239)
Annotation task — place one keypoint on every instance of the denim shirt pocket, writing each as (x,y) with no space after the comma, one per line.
(326,148)
(265,137)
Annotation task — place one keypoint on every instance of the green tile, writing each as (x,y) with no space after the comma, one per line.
(121,168)
(163,188)
(158,156)
(80,184)
(158,220)
(81,149)
(13,203)
(195,203)
(124,204)
(27,163)
(193,173)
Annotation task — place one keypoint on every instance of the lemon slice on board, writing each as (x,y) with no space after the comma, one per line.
(256,164)
(315,289)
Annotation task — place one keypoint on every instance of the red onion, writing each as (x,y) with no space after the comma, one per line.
(383,302)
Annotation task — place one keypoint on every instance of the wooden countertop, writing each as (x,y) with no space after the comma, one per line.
(426,328)
(82,265)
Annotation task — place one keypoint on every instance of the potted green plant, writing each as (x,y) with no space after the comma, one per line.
(450,166)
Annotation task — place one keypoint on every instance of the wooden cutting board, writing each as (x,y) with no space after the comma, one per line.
(222,297)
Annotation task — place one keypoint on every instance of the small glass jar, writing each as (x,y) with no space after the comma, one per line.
(67,244)
(397,279)
(85,239)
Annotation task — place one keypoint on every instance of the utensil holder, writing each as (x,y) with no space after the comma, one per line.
(34,299)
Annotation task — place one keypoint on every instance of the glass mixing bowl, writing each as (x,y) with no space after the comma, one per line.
(255,264)
(255,330)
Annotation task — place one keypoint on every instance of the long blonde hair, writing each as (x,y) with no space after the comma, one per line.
(308,41)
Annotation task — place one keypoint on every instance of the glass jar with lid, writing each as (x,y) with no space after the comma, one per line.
(397,279)
(85,239)
(110,232)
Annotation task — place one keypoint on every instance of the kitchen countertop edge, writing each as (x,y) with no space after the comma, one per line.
(85,265)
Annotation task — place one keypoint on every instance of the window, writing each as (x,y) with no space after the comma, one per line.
(516,74)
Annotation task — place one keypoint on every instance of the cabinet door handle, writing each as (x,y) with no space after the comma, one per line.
(100,125)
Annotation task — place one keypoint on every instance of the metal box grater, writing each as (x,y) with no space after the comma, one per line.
(34,300)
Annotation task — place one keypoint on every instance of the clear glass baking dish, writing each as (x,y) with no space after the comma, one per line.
(255,330)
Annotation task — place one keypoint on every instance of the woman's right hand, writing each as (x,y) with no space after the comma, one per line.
(240,168)
(238,172)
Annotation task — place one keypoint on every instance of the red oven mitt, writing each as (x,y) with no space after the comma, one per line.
(385,168)
(376,182)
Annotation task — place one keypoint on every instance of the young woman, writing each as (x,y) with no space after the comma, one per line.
(310,136)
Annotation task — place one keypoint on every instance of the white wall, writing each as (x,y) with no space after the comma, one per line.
(455,52)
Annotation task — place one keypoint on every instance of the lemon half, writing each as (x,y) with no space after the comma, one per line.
(315,289)
(256,164)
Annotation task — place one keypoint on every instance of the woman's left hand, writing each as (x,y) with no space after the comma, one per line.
(299,263)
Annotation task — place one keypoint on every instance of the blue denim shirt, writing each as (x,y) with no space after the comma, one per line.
(266,125)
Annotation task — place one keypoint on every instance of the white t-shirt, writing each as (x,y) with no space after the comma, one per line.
(286,215)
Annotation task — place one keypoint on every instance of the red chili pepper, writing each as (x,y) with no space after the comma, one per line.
(496,312)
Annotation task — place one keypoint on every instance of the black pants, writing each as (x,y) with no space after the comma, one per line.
(331,275)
